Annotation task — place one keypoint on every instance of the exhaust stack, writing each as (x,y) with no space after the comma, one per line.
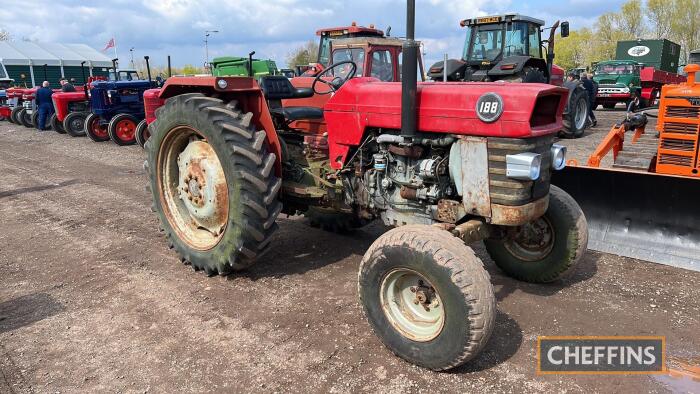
(148,68)
(409,71)
(114,65)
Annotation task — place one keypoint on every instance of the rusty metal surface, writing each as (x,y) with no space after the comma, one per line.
(472,231)
(449,211)
(515,216)
(469,169)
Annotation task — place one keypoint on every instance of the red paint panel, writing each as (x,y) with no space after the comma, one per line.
(61,100)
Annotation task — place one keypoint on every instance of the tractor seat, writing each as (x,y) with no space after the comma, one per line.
(298,113)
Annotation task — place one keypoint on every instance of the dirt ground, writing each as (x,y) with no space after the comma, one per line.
(91,299)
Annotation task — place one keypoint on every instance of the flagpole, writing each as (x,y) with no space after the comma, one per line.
(115,48)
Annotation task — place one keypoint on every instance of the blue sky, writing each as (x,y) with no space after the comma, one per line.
(272,28)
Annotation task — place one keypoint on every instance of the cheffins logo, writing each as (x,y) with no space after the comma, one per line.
(639,51)
(601,355)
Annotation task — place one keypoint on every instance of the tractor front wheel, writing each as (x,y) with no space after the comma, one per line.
(35,119)
(122,129)
(213,183)
(74,124)
(25,118)
(14,115)
(95,129)
(57,125)
(427,296)
(142,133)
(575,120)
(546,249)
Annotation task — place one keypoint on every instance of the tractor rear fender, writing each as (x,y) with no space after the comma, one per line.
(242,89)
(513,65)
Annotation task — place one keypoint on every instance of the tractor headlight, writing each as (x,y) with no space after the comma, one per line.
(523,166)
(558,157)
(221,83)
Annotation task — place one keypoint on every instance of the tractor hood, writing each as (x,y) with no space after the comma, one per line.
(113,85)
(528,110)
(614,79)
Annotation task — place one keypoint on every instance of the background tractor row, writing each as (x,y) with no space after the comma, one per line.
(224,160)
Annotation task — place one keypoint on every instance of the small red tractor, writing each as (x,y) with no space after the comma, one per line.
(72,109)
(448,164)
(14,103)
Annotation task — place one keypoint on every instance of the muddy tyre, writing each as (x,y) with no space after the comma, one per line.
(74,124)
(574,122)
(94,129)
(213,182)
(35,120)
(25,119)
(122,129)
(547,249)
(56,125)
(331,220)
(14,115)
(142,133)
(455,310)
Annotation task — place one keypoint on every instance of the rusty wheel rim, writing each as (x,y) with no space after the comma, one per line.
(125,129)
(193,188)
(412,305)
(533,241)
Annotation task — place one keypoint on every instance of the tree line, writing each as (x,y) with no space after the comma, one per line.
(675,20)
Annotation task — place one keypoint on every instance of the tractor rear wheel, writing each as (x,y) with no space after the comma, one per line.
(427,296)
(74,124)
(575,120)
(14,115)
(25,118)
(95,129)
(213,183)
(142,133)
(35,119)
(548,248)
(122,129)
(57,125)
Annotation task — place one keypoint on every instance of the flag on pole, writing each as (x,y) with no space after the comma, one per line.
(110,44)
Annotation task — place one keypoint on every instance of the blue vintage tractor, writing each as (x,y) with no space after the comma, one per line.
(117,108)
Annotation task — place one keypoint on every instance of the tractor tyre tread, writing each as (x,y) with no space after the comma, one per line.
(56,125)
(140,134)
(95,138)
(569,129)
(68,121)
(463,282)
(251,225)
(112,129)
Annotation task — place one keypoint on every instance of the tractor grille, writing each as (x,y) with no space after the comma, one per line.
(685,161)
(513,192)
(678,144)
(682,112)
(680,128)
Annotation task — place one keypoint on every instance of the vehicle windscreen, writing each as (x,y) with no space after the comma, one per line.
(323,50)
(486,45)
(615,69)
(356,55)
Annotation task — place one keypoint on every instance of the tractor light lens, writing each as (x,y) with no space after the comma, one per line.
(523,166)
(221,83)
(558,157)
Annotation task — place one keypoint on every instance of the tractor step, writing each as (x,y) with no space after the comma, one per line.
(637,156)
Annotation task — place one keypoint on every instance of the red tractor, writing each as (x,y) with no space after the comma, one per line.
(72,108)
(448,164)
(14,103)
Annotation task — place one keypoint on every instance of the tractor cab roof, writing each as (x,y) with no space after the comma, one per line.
(362,41)
(483,20)
(349,31)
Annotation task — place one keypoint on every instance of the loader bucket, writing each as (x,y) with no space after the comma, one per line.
(646,216)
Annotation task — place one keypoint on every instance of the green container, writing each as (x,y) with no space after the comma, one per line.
(660,54)
(227,66)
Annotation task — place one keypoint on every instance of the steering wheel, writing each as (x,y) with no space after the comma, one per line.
(337,82)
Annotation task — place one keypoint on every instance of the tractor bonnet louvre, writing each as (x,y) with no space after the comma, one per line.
(680,128)
(682,112)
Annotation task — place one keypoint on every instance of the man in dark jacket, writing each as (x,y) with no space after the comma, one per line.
(44,103)
(66,86)
(592,89)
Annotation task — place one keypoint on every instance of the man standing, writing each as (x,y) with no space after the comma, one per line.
(44,103)
(592,91)
(66,86)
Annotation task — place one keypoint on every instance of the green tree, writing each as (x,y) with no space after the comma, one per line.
(574,50)
(685,25)
(607,34)
(305,54)
(660,16)
(631,20)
